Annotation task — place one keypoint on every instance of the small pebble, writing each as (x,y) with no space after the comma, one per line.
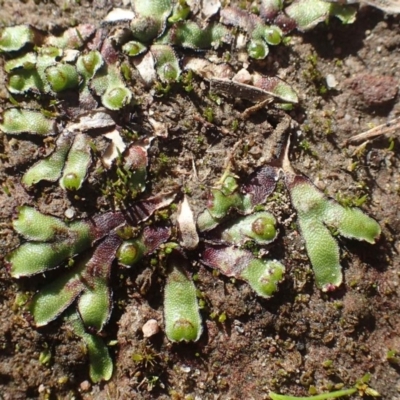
(185,368)
(331,81)
(69,213)
(85,386)
(372,89)
(150,328)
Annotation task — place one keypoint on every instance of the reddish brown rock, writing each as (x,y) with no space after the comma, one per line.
(373,90)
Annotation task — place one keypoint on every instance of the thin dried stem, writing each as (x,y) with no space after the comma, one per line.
(388,127)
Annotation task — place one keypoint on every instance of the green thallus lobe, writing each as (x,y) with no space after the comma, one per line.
(323,396)
(62,77)
(50,168)
(77,164)
(16,37)
(34,257)
(259,227)
(101,364)
(181,310)
(131,251)
(16,121)
(316,214)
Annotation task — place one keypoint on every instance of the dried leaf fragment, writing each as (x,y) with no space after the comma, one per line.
(15,121)
(189,239)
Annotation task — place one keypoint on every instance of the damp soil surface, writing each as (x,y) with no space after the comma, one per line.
(299,341)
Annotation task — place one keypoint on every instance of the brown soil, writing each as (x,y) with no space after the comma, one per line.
(301,337)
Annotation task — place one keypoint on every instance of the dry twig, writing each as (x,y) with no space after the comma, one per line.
(388,127)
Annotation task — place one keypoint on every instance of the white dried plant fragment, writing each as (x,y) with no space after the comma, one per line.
(189,239)
(388,6)
(241,41)
(70,55)
(207,69)
(116,147)
(258,89)
(98,119)
(243,76)
(119,15)
(160,128)
(146,68)
(194,5)
(210,8)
